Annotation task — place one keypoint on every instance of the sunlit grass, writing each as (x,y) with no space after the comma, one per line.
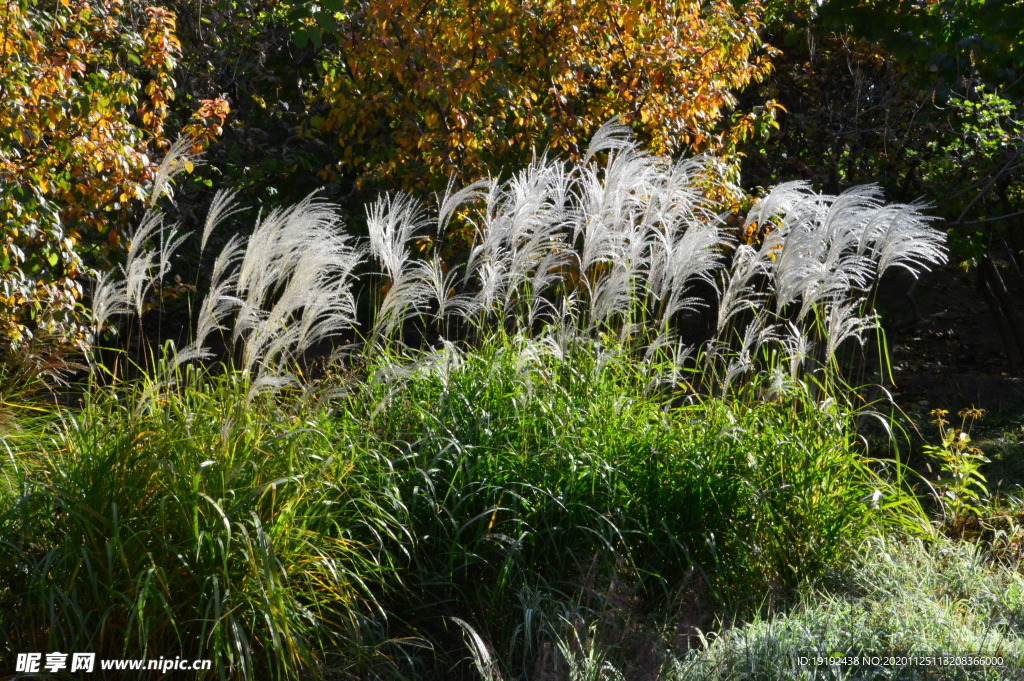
(897,599)
(186,521)
(342,532)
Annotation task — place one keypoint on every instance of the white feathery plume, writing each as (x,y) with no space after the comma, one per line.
(608,202)
(565,331)
(293,285)
(757,333)
(547,274)
(737,366)
(531,218)
(441,285)
(451,201)
(217,304)
(824,253)
(846,212)
(587,245)
(695,256)
(280,241)
(842,323)
(221,208)
(612,136)
(109,298)
(138,277)
(439,363)
(491,232)
(665,338)
(141,260)
(315,304)
(175,161)
(610,295)
(778,383)
(520,230)
(266,383)
(681,202)
(738,292)
(846,220)
(393,221)
(797,266)
(550,346)
(169,243)
(150,225)
(798,349)
(909,242)
(680,354)
(408,295)
(491,274)
(779,200)
(529,353)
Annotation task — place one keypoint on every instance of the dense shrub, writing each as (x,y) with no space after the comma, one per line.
(417,91)
(276,535)
(85,92)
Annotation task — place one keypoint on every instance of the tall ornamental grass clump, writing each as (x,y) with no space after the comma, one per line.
(546,484)
(513,442)
(630,244)
(623,243)
(509,487)
(189,522)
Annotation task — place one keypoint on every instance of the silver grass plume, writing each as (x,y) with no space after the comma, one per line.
(441,285)
(393,222)
(843,323)
(738,293)
(221,208)
(292,288)
(218,303)
(798,348)
(825,253)
(537,202)
(908,242)
(611,136)
(281,239)
(144,266)
(141,260)
(109,298)
(757,333)
(439,363)
(669,372)
(694,257)
(175,161)
(453,200)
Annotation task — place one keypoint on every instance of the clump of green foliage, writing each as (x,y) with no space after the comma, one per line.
(278,534)
(539,458)
(161,522)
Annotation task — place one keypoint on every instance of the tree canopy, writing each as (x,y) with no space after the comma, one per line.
(417,90)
